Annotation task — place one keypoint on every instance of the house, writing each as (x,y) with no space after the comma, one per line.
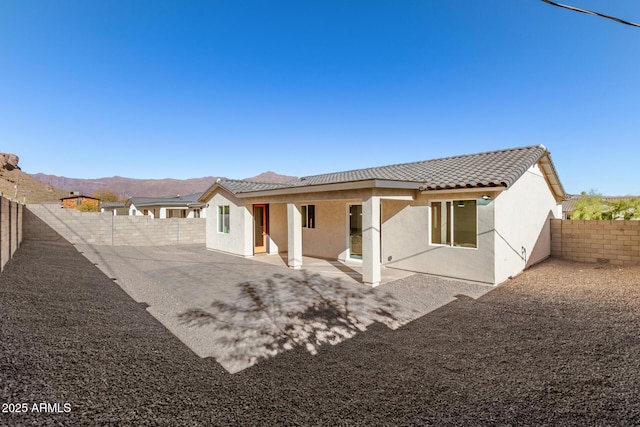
(80,202)
(166,207)
(116,208)
(482,217)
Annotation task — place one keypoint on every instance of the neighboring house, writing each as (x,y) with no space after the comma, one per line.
(167,207)
(117,208)
(80,202)
(481,217)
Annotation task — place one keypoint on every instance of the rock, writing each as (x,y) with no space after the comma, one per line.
(9,161)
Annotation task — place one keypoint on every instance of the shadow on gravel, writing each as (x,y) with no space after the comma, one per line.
(286,312)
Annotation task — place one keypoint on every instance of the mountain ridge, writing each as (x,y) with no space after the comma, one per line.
(139,187)
(39,187)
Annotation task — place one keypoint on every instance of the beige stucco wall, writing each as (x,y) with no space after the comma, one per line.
(406,240)
(239,240)
(523,215)
(329,238)
(277,228)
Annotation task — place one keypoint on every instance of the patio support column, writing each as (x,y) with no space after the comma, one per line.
(371,241)
(163,212)
(294,240)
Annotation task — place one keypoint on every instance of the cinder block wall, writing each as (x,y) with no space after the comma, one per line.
(107,229)
(36,229)
(10,229)
(616,242)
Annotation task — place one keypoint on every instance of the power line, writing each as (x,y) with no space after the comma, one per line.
(590,12)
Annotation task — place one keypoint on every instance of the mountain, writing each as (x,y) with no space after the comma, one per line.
(129,187)
(15,184)
(270,176)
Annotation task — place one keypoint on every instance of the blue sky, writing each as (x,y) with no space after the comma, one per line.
(185,89)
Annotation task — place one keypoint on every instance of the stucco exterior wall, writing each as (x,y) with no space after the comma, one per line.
(329,238)
(406,240)
(523,214)
(239,240)
(277,228)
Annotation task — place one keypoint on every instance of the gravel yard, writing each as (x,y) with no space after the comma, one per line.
(558,345)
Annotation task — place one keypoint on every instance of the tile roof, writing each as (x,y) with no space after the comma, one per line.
(78,196)
(113,204)
(236,186)
(499,168)
(489,169)
(189,199)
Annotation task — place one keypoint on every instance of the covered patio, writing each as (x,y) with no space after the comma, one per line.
(350,271)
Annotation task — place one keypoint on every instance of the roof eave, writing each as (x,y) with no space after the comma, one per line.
(337,186)
(477,189)
(208,194)
(551,175)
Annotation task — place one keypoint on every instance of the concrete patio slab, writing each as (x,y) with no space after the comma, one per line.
(349,270)
(240,310)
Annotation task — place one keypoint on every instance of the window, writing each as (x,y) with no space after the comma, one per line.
(309,216)
(223,219)
(454,223)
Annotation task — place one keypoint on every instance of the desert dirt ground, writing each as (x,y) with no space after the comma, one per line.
(557,345)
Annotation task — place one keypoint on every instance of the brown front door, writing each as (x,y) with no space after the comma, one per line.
(259,229)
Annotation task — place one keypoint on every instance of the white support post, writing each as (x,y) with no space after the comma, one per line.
(371,241)
(294,226)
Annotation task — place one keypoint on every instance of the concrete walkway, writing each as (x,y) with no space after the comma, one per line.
(240,310)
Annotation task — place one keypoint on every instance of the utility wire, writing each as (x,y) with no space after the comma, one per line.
(590,12)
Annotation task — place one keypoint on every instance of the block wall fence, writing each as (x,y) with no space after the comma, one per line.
(51,222)
(614,242)
(10,229)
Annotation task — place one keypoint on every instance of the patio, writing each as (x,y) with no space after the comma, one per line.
(236,309)
(349,271)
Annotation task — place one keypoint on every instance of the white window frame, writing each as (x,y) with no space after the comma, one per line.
(221,219)
(451,219)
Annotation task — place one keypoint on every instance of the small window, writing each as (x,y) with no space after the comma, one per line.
(78,202)
(309,216)
(223,219)
(454,223)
